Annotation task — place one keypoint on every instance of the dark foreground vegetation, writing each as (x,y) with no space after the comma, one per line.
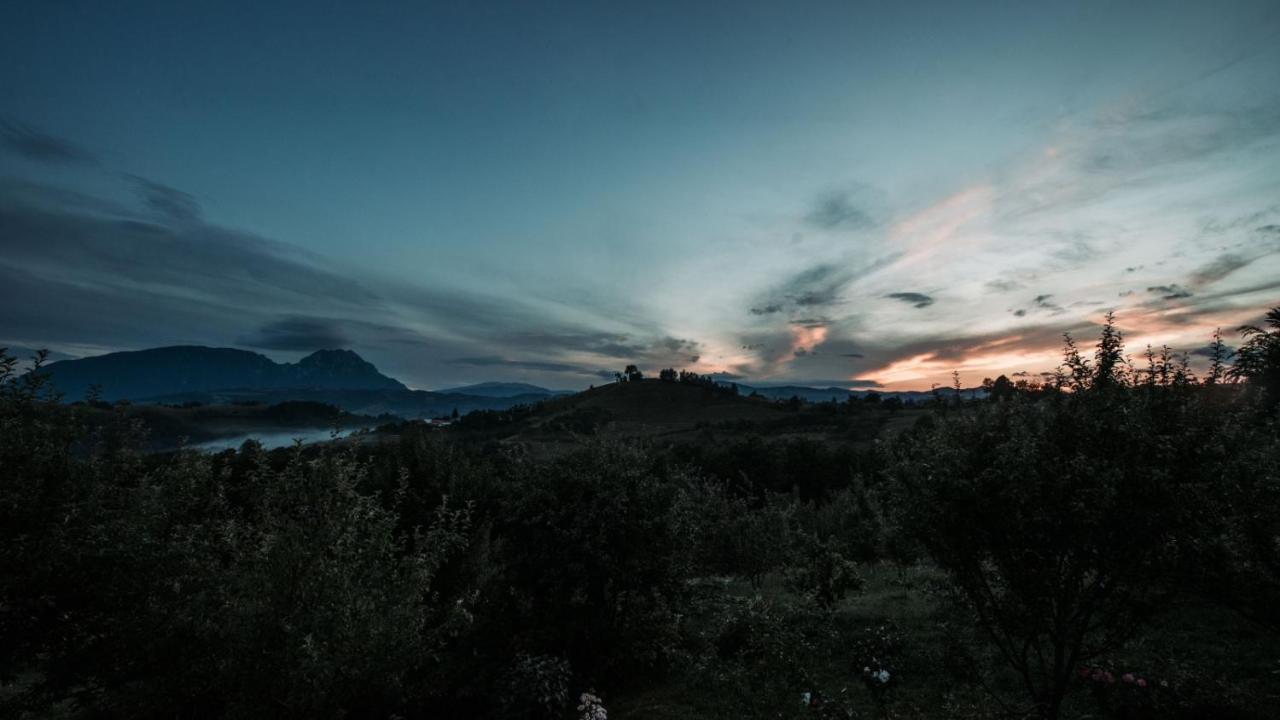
(1107,545)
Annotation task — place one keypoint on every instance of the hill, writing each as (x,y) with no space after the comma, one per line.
(168,371)
(839,394)
(502,390)
(677,412)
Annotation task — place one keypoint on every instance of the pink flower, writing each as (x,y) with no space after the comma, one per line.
(1127,677)
(1108,677)
(1142,682)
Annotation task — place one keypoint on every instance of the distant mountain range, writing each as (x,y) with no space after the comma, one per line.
(502,390)
(193,369)
(211,376)
(828,394)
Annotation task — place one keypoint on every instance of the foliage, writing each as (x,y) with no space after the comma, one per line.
(425,575)
(1062,523)
(1258,359)
(821,574)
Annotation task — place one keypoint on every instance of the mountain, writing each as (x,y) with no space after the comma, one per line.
(25,355)
(501,390)
(143,374)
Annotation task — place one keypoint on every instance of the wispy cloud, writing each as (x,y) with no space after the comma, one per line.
(298,333)
(32,144)
(915,299)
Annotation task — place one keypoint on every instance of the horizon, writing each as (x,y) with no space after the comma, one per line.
(830,195)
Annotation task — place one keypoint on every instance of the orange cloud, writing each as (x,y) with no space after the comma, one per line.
(807,338)
(928,231)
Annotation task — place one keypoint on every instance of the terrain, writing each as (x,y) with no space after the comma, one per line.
(167,427)
(169,371)
(675,413)
(1101,547)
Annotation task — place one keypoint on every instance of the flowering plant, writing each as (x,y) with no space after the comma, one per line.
(1127,690)
(591,707)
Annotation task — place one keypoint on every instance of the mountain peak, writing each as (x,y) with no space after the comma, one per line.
(164,371)
(334,357)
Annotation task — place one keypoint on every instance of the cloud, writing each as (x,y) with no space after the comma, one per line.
(190,263)
(79,271)
(837,211)
(818,286)
(1147,140)
(298,333)
(1219,268)
(767,310)
(724,376)
(1001,285)
(1170,292)
(1207,351)
(490,361)
(168,202)
(811,322)
(915,299)
(26,141)
(1042,302)
(1075,249)
(820,383)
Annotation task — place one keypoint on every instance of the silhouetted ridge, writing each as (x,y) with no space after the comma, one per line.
(141,374)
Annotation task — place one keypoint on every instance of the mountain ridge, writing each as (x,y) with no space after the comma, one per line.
(139,374)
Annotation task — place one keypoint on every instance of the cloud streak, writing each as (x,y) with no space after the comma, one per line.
(32,144)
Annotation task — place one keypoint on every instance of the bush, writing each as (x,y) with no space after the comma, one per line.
(1057,521)
(593,565)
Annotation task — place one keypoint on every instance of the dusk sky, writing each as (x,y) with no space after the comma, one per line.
(545,192)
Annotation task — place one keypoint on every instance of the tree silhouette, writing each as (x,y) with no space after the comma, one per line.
(1218,354)
(1258,359)
(1108,360)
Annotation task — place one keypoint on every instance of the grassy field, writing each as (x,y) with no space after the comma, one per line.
(1208,663)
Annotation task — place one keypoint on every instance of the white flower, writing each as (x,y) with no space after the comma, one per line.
(806,698)
(591,707)
(883,676)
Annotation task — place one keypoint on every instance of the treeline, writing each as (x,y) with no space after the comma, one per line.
(425,578)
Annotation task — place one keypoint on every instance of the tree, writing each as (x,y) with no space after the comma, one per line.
(1258,359)
(1055,520)
(1218,355)
(633,373)
(1001,389)
(1108,359)
(1078,373)
(668,375)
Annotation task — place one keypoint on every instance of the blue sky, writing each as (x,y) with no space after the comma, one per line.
(546,192)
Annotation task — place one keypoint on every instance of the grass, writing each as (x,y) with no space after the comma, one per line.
(1214,663)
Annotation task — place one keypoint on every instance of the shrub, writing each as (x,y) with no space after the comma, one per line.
(1056,521)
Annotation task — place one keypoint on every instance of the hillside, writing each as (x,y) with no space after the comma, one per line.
(501,390)
(674,412)
(169,371)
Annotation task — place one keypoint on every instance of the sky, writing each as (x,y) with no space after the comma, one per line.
(827,193)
